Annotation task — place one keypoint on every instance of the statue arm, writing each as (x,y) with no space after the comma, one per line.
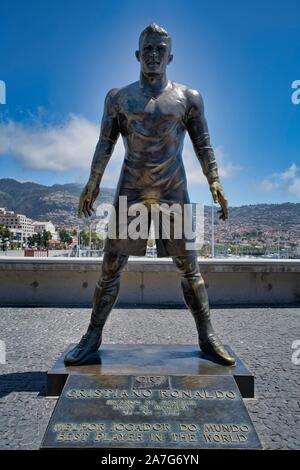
(108,137)
(198,131)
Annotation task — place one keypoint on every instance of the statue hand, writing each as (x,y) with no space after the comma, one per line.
(87,198)
(219,196)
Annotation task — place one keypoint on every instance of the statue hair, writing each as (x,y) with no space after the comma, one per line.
(154,28)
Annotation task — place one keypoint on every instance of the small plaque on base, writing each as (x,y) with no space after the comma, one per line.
(150,411)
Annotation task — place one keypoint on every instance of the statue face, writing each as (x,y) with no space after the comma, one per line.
(154,54)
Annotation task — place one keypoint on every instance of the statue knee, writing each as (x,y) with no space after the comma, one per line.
(112,266)
(188,266)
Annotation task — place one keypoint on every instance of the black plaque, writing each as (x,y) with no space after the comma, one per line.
(159,359)
(150,411)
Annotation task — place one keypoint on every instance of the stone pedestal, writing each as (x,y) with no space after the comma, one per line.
(155,359)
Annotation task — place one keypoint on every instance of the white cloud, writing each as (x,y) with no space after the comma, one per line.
(266,185)
(290,173)
(295,187)
(56,148)
(286,180)
(226,168)
(59,148)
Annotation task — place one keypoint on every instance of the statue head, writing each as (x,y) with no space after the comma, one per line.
(154,52)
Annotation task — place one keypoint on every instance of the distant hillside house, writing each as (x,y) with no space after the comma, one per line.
(39,227)
(20,226)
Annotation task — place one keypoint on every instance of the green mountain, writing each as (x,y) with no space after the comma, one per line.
(57,203)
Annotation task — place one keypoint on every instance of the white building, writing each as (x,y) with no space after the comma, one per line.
(20,226)
(39,227)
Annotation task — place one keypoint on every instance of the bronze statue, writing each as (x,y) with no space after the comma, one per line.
(152,115)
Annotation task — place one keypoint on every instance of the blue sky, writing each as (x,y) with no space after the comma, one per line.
(59,59)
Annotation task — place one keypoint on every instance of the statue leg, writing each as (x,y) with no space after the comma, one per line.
(196,298)
(105,296)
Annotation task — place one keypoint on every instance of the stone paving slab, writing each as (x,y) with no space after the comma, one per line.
(262,337)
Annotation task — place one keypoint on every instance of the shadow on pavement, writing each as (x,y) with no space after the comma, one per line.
(23,382)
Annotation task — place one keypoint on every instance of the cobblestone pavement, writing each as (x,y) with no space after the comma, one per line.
(262,337)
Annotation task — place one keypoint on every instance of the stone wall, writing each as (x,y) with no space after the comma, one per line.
(145,281)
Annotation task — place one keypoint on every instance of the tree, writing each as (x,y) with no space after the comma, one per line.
(46,237)
(65,237)
(96,241)
(84,238)
(35,240)
(5,236)
(4,232)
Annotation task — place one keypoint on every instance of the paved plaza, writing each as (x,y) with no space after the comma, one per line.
(262,337)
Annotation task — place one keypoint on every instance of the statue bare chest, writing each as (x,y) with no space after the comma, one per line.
(152,117)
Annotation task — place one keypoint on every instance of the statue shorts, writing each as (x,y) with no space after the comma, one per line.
(172,216)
